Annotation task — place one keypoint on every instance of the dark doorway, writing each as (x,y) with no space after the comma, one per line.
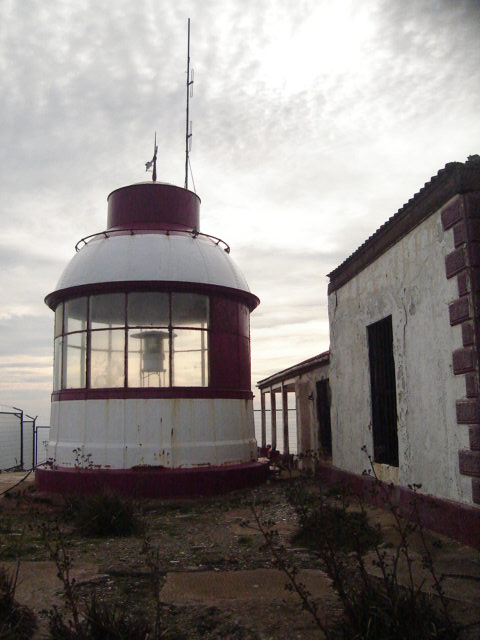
(323,415)
(384,392)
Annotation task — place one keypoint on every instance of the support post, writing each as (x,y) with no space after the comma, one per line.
(286,445)
(264,420)
(273,411)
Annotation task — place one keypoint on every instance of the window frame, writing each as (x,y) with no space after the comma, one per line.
(126,328)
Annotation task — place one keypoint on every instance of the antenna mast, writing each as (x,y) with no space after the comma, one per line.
(188,126)
(153,161)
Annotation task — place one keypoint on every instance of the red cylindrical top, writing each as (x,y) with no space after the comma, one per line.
(153,205)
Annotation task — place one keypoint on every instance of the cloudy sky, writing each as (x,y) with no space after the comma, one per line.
(313,122)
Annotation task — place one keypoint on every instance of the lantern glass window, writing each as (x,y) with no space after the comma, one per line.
(59,320)
(148,358)
(75,317)
(107,358)
(107,311)
(190,358)
(57,364)
(74,360)
(148,309)
(189,310)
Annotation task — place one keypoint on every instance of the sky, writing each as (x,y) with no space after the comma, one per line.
(313,122)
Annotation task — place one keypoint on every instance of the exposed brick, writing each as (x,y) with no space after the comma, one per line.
(469,462)
(463,283)
(452,214)
(474,436)
(472,205)
(473,253)
(473,230)
(463,360)
(467,334)
(476,490)
(471,385)
(474,278)
(467,411)
(459,310)
(459,234)
(455,262)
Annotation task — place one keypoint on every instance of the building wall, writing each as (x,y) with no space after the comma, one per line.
(409,283)
(307,419)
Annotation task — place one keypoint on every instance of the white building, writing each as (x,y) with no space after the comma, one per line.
(404,333)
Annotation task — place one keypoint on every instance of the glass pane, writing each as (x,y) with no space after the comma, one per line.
(148,309)
(59,320)
(189,310)
(107,359)
(57,364)
(75,315)
(190,358)
(74,360)
(148,360)
(107,311)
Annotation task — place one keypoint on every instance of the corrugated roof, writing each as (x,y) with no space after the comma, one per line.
(306,365)
(454,178)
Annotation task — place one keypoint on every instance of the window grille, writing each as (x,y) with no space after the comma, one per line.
(383,392)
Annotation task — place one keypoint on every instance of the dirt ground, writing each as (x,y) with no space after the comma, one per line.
(218,580)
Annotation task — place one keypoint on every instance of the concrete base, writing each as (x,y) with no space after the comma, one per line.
(152,482)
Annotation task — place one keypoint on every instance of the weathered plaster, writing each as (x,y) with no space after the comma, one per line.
(407,282)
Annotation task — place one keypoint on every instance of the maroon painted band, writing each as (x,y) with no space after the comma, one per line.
(152,482)
(126,286)
(153,203)
(150,393)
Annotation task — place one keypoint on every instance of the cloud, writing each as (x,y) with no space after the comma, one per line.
(313,123)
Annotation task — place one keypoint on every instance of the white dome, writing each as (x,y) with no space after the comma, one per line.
(152,257)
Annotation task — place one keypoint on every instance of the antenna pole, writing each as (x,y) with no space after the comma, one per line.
(188,133)
(154,174)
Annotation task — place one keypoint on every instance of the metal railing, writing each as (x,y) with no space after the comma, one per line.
(22,441)
(132,230)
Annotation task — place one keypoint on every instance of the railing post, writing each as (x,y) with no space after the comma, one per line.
(273,411)
(286,444)
(264,420)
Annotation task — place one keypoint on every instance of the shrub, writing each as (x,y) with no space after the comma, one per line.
(374,608)
(100,621)
(103,514)
(16,621)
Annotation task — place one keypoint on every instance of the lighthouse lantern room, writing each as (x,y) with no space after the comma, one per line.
(152,390)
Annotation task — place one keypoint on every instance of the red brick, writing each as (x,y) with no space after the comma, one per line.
(473,230)
(467,411)
(459,310)
(469,462)
(455,262)
(474,436)
(463,283)
(467,334)
(463,360)
(473,253)
(474,273)
(472,205)
(476,490)
(459,234)
(471,385)
(452,214)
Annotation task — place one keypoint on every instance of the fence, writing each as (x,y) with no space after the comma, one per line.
(292,428)
(22,441)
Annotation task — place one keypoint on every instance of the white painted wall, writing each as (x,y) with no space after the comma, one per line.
(409,283)
(307,419)
(174,433)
